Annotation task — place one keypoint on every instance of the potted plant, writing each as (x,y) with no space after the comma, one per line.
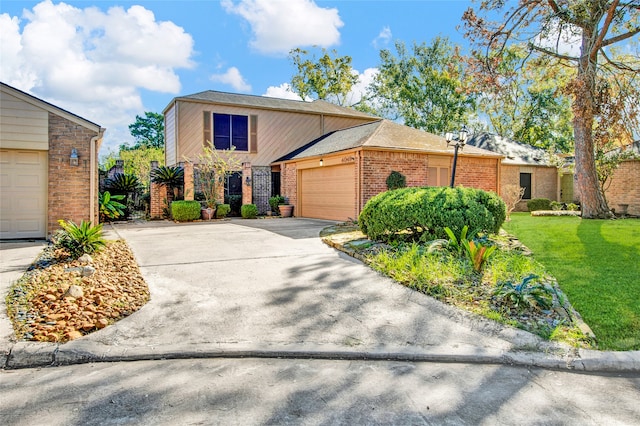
(274,202)
(285,209)
(212,169)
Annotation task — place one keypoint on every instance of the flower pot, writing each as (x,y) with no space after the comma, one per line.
(286,210)
(208,213)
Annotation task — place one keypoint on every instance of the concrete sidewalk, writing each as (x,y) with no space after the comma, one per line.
(271,288)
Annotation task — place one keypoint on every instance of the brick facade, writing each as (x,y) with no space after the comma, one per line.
(69,196)
(625,188)
(544,182)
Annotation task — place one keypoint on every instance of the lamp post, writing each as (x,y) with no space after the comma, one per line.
(458,143)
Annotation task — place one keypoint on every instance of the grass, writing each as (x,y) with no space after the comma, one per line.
(597,264)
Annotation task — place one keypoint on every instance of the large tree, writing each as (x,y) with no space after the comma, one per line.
(329,77)
(547,26)
(148,131)
(422,86)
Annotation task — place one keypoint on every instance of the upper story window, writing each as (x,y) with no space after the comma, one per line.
(231,130)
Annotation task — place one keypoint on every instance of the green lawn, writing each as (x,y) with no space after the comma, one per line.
(597,264)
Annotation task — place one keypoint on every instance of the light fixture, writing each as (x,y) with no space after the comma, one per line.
(73,158)
(321,163)
(247,181)
(458,142)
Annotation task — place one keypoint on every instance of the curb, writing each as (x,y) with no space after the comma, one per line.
(33,355)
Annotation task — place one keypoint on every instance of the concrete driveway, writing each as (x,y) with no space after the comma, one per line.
(271,286)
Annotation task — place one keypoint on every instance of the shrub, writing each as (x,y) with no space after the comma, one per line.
(183,211)
(526,295)
(222,210)
(249,211)
(423,213)
(556,205)
(275,201)
(573,207)
(539,204)
(78,240)
(396,180)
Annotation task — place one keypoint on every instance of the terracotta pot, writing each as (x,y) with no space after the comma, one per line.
(286,210)
(207,214)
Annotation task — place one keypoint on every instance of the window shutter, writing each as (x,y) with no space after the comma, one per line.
(253,133)
(207,140)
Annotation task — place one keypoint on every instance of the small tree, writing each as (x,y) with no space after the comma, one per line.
(512,195)
(212,170)
(171,177)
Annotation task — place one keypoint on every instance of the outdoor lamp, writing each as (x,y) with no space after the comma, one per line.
(321,162)
(458,143)
(247,181)
(73,158)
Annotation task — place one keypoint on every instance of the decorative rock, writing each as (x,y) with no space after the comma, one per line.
(74,291)
(85,259)
(87,271)
(101,323)
(75,334)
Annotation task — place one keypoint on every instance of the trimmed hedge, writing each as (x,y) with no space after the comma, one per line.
(410,214)
(539,204)
(249,211)
(222,210)
(184,211)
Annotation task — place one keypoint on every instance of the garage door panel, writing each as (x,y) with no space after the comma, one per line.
(23,197)
(328,192)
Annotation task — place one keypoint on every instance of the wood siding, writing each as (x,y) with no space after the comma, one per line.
(170,135)
(23,125)
(278,132)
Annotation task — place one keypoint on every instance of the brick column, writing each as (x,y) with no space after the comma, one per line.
(247,190)
(189,189)
(158,196)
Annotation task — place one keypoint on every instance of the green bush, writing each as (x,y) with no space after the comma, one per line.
(396,180)
(275,201)
(573,207)
(235,201)
(539,204)
(556,205)
(222,210)
(408,214)
(183,211)
(78,240)
(249,211)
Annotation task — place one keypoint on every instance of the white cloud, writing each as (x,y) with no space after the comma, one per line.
(91,62)
(281,25)
(383,38)
(283,92)
(232,78)
(563,39)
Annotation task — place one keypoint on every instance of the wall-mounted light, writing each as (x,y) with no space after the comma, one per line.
(247,181)
(73,158)
(321,163)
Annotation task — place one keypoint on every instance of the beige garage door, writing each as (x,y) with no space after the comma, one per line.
(23,194)
(328,192)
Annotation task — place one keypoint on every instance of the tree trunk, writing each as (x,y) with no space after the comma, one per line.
(593,204)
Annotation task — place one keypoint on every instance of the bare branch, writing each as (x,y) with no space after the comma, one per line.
(605,27)
(619,65)
(620,37)
(552,53)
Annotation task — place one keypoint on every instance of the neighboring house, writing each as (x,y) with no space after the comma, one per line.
(527,167)
(49,166)
(326,159)
(623,194)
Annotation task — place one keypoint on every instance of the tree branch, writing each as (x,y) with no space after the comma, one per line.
(620,37)
(605,27)
(552,53)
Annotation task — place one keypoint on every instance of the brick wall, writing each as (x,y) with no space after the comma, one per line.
(625,188)
(289,183)
(544,182)
(158,200)
(481,173)
(247,190)
(189,182)
(69,186)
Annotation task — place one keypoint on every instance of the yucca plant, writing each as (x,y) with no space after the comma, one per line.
(110,205)
(526,294)
(123,182)
(78,240)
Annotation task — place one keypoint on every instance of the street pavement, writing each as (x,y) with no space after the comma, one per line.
(270,288)
(253,391)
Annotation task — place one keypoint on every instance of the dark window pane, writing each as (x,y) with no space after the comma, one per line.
(525,182)
(240,132)
(221,131)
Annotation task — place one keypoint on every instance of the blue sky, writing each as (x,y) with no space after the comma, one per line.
(110,60)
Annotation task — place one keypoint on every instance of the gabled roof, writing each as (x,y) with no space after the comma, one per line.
(515,152)
(50,107)
(264,102)
(383,134)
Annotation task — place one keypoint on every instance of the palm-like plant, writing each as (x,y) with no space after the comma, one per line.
(123,182)
(169,176)
(78,240)
(110,205)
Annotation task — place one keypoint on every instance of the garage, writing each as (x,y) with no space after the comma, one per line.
(328,192)
(23,194)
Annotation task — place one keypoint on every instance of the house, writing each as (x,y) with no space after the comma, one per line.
(527,167)
(623,193)
(326,159)
(49,166)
